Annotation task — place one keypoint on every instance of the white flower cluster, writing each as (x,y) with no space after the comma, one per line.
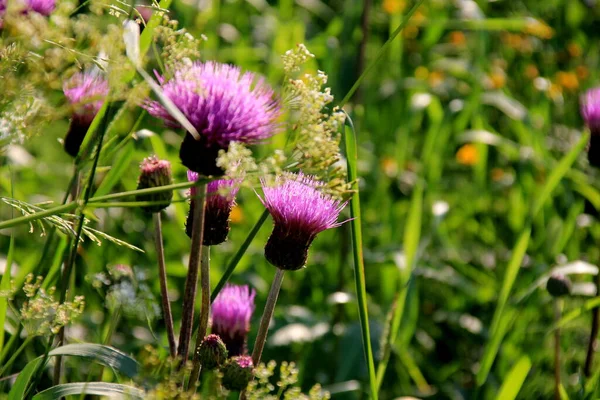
(315,129)
(294,59)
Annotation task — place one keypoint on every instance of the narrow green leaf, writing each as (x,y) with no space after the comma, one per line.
(119,166)
(559,172)
(575,313)
(493,345)
(4,286)
(101,354)
(514,380)
(17,392)
(357,251)
(112,390)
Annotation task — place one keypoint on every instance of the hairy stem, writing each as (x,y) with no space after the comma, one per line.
(162,276)
(261,337)
(191,281)
(204,312)
(589,359)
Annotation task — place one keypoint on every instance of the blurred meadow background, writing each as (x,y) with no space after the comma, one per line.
(473,179)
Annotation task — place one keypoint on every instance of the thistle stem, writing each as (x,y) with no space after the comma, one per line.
(557,312)
(592,344)
(261,337)
(162,275)
(204,314)
(191,281)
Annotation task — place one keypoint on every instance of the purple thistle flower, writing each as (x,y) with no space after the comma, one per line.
(300,211)
(224,105)
(44,7)
(86,92)
(231,313)
(2,12)
(590,111)
(217,209)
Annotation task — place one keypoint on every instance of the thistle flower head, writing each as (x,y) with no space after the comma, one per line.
(237,372)
(220,198)
(231,314)
(2,12)
(590,109)
(300,211)
(44,7)
(223,104)
(155,173)
(86,91)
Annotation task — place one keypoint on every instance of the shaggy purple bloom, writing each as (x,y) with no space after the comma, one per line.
(86,92)
(231,313)
(44,7)
(2,12)
(590,109)
(220,198)
(300,211)
(223,104)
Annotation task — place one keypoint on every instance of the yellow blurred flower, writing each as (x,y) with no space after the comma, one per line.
(555,91)
(467,155)
(497,79)
(389,166)
(421,73)
(394,6)
(237,215)
(539,28)
(567,80)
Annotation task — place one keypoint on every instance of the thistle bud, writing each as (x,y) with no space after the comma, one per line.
(590,111)
(558,285)
(212,352)
(237,373)
(155,173)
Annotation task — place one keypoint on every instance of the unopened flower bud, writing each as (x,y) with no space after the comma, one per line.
(212,352)
(558,285)
(237,373)
(155,173)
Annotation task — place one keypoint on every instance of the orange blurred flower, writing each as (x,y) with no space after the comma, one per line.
(497,79)
(467,154)
(567,80)
(582,72)
(394,6)
(389,166)
(458,38)
(237,215)
(436,78)
(574,49)
(531,71)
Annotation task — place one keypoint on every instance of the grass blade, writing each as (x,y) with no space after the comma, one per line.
(514,380)
(357,251)
(101,354)
(112,390)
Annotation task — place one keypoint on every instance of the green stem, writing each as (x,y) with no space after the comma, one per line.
(204,313)
(159,189)
(589,359)
(265,320)
(191,281)
(162,275)
(42,214)
(10,343)
(239,254)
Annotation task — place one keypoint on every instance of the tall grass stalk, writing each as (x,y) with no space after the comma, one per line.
(162,275)
(204,313)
